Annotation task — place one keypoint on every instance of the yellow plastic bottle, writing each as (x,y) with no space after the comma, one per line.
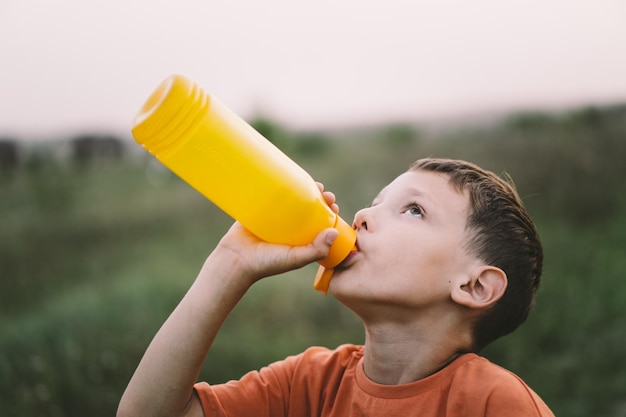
(240,171)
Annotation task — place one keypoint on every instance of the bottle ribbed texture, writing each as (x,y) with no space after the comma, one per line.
(163,128)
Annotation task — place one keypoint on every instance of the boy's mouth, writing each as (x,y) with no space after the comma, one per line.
(348,260)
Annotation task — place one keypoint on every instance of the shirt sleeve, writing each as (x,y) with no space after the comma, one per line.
(515,399)
(485,389)
(263,393)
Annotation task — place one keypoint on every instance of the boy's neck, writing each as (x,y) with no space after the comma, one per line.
(399,356)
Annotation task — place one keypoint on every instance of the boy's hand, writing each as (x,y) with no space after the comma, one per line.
(252,259)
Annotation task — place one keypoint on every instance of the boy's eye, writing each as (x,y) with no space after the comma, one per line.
(414,210)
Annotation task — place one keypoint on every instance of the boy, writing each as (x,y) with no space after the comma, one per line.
(447,261)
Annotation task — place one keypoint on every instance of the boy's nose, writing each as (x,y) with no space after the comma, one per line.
(360,221)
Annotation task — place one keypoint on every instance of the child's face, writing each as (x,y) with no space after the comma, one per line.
(411,244)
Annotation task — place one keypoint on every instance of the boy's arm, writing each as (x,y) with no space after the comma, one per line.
(163,382)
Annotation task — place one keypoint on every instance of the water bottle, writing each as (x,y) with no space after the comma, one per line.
(245,175)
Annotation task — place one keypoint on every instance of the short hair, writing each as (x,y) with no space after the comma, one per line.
(501,234)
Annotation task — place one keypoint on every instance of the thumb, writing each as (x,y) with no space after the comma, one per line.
(298,256)
(320,246)
(329,236)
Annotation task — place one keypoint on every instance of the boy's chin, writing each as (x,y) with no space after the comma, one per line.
(344,284)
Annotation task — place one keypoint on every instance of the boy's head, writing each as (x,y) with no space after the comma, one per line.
(501,234)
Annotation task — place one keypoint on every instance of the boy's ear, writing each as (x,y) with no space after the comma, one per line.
(482,289)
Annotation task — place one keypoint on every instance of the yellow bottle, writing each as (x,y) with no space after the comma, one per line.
(241,172)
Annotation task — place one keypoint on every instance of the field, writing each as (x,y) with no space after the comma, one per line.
(94,256)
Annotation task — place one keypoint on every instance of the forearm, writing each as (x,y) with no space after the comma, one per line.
(163,382)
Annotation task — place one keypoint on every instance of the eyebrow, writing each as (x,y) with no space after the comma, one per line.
(418,193)
(411,192)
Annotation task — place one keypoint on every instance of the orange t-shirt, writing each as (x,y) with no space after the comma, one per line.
(331,383)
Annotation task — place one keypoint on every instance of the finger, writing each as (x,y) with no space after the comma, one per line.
(322,243)
(329,197)
(330,200)
(318,249)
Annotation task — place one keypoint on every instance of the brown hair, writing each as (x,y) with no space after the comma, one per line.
(501,234)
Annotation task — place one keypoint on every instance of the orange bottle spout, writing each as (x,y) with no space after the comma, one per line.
(322,279)
(340,249)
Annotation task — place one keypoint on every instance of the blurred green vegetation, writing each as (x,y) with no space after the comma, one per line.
(94,257)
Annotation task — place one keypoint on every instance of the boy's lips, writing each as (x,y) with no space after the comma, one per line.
(348,260)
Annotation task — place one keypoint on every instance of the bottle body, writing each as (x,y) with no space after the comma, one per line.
(240,171)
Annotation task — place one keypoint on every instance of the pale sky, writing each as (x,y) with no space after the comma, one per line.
(70,65)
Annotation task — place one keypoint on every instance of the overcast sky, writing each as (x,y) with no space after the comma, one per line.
(83,65)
